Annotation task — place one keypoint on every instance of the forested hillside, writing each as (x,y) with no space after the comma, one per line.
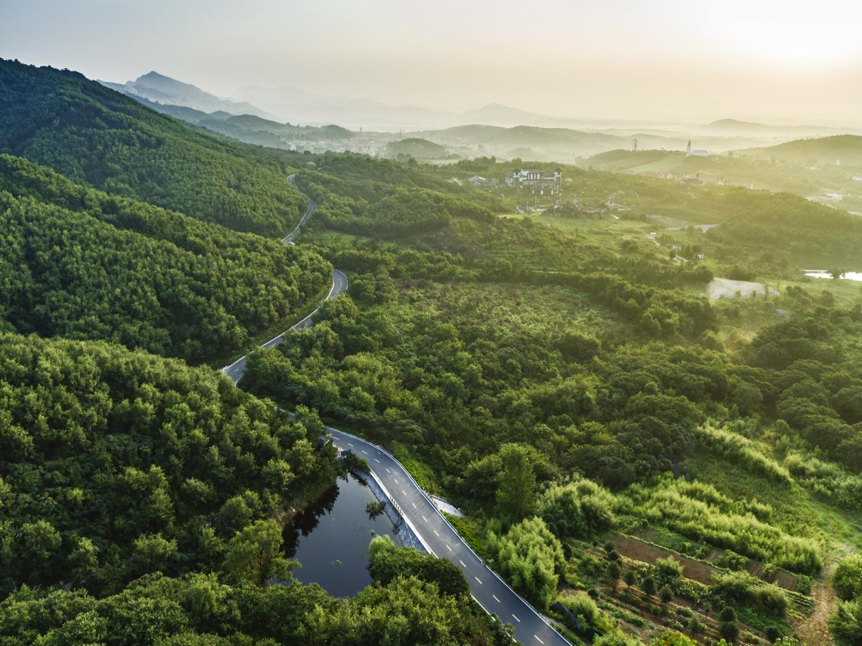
(567,387)
(119,465)
(96,136)
(632,456)
(79,263)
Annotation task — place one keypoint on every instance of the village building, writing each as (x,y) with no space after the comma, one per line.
(539,182)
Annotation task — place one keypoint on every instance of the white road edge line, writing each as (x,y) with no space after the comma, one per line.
(464,543)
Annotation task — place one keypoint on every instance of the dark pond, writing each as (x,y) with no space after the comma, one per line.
(331,538)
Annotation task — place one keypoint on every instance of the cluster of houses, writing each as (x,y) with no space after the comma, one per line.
(537,181)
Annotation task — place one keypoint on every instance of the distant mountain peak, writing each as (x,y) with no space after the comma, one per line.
(735,122)
(165,90)
(154,75)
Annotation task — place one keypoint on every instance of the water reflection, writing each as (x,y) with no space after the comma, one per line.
(331,538)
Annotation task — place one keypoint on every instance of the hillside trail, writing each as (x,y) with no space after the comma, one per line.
(814,629)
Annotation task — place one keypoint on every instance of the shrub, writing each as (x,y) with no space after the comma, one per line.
(727,614)
(729,630)
(732,561)
(648,586)
(668,570)
(530,555)
(742,588)
(848,578)
(577,509)
(584,607)
(846,623)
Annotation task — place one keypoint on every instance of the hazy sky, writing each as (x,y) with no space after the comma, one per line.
(779,61)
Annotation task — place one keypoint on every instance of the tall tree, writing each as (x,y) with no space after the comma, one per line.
(254,553)
(516,494)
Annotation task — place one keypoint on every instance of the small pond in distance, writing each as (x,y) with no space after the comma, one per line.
(849,275)
(331,538)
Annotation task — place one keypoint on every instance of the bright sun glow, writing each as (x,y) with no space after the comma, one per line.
(799,34)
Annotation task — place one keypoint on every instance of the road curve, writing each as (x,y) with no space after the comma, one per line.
(339,285)
(441,539)
(237,369)
(429,525)
(312,206)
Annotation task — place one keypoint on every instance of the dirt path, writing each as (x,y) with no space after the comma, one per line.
(814,629)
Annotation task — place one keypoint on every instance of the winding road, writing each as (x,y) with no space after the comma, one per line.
(339,285)
(420,514)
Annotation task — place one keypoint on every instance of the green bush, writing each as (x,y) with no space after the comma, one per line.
(530,556)
(732,561)
(847,580)
(727,614)
(577,509)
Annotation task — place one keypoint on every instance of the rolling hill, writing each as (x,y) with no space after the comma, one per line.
(736,128)
(846,149)
(418,148)
(96,136)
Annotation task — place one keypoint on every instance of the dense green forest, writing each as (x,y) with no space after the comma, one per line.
(79,263)
(504,360)
(102,138)
(641,462)
(119,463)
(122,467)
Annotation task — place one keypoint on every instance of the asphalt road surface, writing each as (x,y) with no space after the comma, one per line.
(444,542)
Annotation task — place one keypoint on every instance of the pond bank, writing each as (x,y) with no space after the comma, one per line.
(405,534)
(330,537)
